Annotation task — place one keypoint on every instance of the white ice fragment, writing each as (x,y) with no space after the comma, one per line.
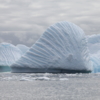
(63,79)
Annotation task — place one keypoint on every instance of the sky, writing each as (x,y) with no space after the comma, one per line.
(24,21)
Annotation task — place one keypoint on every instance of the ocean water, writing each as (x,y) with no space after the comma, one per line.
(48,86)
(8,76)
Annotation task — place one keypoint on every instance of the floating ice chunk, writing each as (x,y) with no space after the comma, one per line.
(61,48)
(63,79)
(23,48)
(8,54)
(42,78)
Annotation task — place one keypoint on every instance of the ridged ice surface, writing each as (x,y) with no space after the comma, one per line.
(62,46)
(94,49)
(8,54)
(23,48)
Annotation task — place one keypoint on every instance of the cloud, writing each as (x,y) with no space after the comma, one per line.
(26,38)
(22,20)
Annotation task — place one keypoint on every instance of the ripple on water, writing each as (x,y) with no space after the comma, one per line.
(7,76)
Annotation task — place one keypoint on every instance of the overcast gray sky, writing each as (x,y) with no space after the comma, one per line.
(23,21)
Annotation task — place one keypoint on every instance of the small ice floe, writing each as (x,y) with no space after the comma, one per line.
(63,79)
(42,78)
(35,78)
(25,79)
(7,78)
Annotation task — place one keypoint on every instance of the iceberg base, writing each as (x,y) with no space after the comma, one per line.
(44,70)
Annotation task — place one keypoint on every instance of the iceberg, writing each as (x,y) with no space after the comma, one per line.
(95,38)
(94,49)
(8,54)
(62,48)
(93,43)
(23,48)
(95,58)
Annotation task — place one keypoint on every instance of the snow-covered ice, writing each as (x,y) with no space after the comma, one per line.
(62,46)
(8,54)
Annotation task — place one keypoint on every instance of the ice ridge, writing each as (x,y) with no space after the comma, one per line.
(8,54)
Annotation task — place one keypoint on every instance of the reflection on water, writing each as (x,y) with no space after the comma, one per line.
(5,69)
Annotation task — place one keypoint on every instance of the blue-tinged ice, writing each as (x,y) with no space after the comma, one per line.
(23,48)
(94,49)
(61,48)
(8,54)
(95,38)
